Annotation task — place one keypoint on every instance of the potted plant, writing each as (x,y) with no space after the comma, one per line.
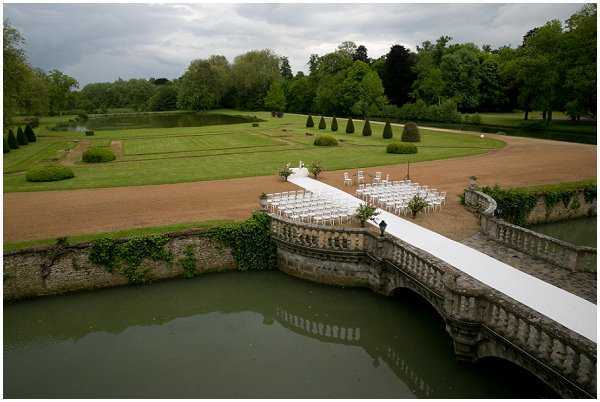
(473,182)
(416,205)
(366,212)
(262,199)
(285,172)
(315,169)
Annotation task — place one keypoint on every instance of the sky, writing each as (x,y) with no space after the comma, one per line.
(104,42)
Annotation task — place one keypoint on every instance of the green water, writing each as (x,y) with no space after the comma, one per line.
(581,232)
(156,120)
(261,334)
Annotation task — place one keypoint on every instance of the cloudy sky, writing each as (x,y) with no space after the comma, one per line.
(102,42)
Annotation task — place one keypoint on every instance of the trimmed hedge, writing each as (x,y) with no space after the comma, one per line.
(387,130)
(12,140)
(5,147)
(309,121)
(411,133)
(350,126)
(49,173)
(89,133)
(400,148)
(98,155)
(322,125)
(367,129)
(325,140)
(30,134)
(334,125)
(21,138)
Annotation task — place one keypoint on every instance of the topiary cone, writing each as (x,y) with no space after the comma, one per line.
(21,139)
(367,129)
(334,125)
(30,134)
(349,126)
(12,140)
(309,122)
(387,130)
(411,133)
(322,125)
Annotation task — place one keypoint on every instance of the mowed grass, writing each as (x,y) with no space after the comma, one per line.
(159,155)
(560,121)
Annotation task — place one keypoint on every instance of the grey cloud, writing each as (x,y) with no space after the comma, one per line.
(102,42)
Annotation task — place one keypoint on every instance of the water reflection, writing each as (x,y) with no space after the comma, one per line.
(239,335)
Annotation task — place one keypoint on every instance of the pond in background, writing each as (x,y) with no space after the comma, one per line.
(259,334)
(154,120)
(581,232)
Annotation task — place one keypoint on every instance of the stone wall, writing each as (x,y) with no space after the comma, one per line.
(54,269)
(558,252)
(578,208)
(481,321)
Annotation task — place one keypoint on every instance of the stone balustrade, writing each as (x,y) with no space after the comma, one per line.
(555,251)
(481,321)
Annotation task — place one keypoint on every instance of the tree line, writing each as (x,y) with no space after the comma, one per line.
(554,68)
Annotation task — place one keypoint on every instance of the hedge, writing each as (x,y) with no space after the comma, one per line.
(21,138)
(349,126)
(309,122)
(334,125)
(400,148)
(411,133)
(387,130)
(322,125)
(367,129)
(49,173)
(325,140)
(98,155)
(30,134)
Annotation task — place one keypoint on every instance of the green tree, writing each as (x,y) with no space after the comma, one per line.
(12,140)
(334,124)
(398,74)
(205,84)
(60,96)
(460,72)
(349,126)
(322,124)
(275,98)
(252,73)
(284,68)
(30,134)
(367,128)
(164,99)
(300,94)
(21,138)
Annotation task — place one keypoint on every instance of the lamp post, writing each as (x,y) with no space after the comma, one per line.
(407,171)
(382,226)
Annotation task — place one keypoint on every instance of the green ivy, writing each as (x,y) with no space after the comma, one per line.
(590,193)
(188,263)
(513,204)
(128,256)
(250,241)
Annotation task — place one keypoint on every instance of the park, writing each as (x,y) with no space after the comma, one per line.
(338,216)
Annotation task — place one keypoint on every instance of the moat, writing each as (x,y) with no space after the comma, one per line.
(261,334)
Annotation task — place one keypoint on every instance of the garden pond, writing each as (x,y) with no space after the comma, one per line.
(580,232)
(153,120)
(242,334)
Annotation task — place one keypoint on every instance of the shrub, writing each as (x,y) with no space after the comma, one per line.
(279,114)
(32,121)
(411,133)
(349,126)
(21,138)
(273,114)
(416,205)
(12,140)
(387,130)
(49,173)
(82,116)
(514,204)
(325,140)
(285,172)
(30,134)
(89,132)
(5,147)
(254,124)
(315,169)
(476,119)
(532,125)
(98,155)
(334,125)
(367,128)
(309,121)
(322,125)
(364,213)
(486,129)
(400,148)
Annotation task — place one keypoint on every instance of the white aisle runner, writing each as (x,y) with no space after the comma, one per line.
(563,307)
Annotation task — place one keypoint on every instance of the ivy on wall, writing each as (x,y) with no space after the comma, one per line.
(188,262)
(251,244)
(126,257)
(513,204)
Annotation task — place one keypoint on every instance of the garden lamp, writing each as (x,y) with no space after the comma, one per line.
(382,226)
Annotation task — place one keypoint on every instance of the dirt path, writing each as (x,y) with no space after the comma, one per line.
(524,161)
(74,155)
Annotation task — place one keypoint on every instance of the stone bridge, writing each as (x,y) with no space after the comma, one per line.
(481,321)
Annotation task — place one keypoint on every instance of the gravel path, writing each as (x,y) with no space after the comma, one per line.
(50,214)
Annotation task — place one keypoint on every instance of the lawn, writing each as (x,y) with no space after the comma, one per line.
(183,154)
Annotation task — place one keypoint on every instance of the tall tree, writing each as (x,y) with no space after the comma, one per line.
(398,74)
(275,98)
(205,83)
(361,54)
(60,86)
(284,69)
(252,73)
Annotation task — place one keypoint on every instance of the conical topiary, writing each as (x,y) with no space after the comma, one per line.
(387,130)
(309,122)
(334,126)
(411,133)
(12,140)
(367,128)
(322,125)
(21,139)
(349,126)
(30,134)
(5,147)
